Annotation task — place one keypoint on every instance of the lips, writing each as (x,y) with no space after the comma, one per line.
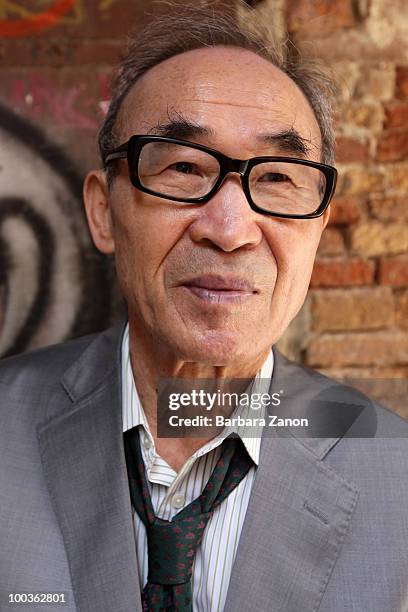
(214,282)
(218,290)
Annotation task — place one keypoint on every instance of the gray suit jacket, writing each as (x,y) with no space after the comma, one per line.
(326,527)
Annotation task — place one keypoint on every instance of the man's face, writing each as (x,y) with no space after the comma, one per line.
(170,256)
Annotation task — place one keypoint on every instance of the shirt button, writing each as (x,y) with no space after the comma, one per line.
(178,500)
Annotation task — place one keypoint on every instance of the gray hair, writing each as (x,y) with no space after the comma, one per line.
(189,27)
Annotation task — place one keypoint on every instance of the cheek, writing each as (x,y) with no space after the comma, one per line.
(294,248)
(145,230)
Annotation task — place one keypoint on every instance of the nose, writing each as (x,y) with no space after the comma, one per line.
(227,221)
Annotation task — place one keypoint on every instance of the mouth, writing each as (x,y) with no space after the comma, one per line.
(216,289)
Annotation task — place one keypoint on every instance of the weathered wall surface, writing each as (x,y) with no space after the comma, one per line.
(55,62)
(355,321)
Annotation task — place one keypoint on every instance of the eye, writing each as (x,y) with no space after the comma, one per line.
(185,168)
(274,177)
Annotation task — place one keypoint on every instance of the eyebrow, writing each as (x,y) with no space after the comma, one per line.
(286,141)
(182,128)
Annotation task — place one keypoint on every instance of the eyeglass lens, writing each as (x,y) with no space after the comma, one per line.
(180,171)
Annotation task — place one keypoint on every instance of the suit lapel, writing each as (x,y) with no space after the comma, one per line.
(82,454)
(298,516)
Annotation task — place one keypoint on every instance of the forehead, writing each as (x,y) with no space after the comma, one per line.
(231,90)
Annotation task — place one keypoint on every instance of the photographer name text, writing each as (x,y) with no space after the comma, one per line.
(272,420)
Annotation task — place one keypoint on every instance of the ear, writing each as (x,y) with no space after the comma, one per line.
(97,206)
(326,216)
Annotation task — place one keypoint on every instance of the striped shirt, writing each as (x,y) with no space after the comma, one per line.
(171,492)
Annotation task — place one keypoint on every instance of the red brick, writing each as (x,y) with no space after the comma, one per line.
(397,177)
(396,115)
(377,81)
(357,45)
(393,145)
(361,180)
(93,20)
(401,310)
(372,238)
(344,210)
(347,77)
(395,373)
(32,52)
(96,52)
(390,208)
(394,271)
(61,52)
(359,349)
(342,273)
(351,150)
(337,13)
(70,97)
(355,309)
(402,81)
(331,243)
(368,115)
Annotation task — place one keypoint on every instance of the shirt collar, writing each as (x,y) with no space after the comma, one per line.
(134,415)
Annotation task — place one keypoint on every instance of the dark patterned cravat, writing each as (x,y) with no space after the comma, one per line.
(172,544)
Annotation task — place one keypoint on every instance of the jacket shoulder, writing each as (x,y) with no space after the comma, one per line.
(40,384)
(41,368)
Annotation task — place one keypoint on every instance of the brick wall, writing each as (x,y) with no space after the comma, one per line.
(358,303)
(355,320)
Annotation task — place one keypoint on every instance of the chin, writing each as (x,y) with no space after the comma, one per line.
(217,348)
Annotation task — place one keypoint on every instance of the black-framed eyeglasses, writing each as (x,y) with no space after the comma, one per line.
(191,173)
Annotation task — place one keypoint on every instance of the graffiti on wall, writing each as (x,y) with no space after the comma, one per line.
(53,284)
(70,106)
(18,19)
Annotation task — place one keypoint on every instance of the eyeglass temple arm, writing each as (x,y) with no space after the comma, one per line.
(119,153)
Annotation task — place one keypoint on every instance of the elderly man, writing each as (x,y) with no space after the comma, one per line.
(214,194)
